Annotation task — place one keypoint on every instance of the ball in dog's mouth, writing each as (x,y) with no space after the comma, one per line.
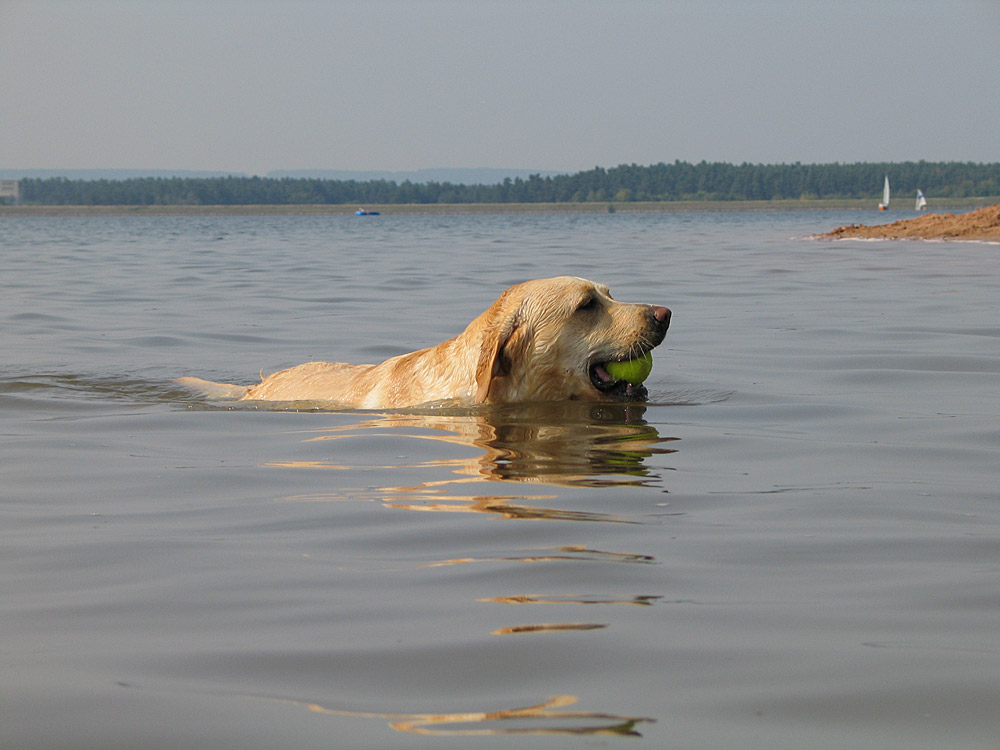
(623,380)
(633,371)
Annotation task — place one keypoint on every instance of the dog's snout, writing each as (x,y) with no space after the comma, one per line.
(662,315)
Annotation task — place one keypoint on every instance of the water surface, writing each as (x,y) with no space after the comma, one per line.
(794,544)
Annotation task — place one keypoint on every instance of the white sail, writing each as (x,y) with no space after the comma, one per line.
(921,201)
(885,195)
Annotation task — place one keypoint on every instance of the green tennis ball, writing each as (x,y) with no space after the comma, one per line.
(634,371)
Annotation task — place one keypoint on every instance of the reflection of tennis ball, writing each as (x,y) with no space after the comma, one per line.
(634,371)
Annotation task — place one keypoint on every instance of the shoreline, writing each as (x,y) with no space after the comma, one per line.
(417,209)
(980,225)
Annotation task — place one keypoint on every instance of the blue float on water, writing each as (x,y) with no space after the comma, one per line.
(362,212)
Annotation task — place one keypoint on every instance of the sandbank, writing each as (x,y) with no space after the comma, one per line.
(981,225)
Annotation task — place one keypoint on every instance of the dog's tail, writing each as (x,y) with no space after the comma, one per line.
(213,390)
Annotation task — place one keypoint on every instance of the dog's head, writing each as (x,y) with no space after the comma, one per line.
(549,339)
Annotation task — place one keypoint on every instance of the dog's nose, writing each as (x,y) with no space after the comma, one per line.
(662,315)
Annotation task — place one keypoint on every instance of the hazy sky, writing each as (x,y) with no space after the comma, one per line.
(544,84)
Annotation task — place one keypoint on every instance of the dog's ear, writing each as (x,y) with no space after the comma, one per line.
(502,333)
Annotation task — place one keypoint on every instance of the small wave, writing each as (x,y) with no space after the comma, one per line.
(689,397)
(90,387)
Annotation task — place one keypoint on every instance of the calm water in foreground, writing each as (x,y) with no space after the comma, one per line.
(795,544)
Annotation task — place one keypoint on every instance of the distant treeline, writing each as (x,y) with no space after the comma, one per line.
(660,182)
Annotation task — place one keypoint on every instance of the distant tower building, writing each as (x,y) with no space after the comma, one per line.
(10,189)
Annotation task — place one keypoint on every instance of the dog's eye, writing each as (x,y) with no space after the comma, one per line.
(590,303)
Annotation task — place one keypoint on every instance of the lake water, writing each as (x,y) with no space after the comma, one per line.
(795,544)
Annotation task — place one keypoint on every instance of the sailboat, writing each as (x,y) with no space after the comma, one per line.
(921,201)
(884,205)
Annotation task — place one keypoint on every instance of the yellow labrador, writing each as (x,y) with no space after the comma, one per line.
(543,340)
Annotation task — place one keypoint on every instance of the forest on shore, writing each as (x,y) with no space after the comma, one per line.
(678,181)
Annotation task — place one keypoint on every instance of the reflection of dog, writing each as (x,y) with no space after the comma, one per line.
(559,444)
(543,340)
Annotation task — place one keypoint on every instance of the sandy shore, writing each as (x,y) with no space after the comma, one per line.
(982,225)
